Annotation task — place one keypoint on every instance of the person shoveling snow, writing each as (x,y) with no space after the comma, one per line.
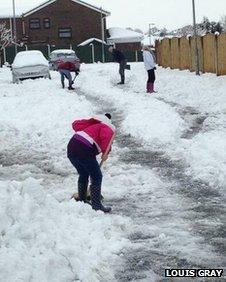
(65,70)
(92,137)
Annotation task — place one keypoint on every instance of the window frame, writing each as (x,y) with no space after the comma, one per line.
(46,20)
(34,19)
(65,28)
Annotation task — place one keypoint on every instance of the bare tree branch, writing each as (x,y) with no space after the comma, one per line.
(5,36)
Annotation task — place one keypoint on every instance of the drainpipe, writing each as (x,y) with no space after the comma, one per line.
(14,27)
(23,26)
(102,34)
(11,27)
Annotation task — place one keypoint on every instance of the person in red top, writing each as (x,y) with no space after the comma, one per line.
(92,137)
(65,70)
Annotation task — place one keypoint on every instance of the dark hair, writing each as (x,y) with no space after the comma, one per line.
(108,115)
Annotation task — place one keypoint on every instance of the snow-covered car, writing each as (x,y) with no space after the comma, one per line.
(29,64)
(63,55)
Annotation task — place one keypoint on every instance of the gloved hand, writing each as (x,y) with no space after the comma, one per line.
(104,158)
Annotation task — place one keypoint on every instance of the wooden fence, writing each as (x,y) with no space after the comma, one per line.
(179,53)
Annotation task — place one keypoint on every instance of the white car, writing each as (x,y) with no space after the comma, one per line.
(30,64)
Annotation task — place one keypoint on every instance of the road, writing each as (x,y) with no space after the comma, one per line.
(179,225)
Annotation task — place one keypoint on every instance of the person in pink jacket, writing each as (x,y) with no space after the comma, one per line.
(92,137)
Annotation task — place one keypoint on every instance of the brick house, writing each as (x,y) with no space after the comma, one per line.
(60,23)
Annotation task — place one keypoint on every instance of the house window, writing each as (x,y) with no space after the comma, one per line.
(64,32)
(46,23)
(34,24)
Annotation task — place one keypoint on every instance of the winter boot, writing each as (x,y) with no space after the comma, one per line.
(95,193)
(63,85)
(122,80)
(82,192)
(150,88)
(71,88)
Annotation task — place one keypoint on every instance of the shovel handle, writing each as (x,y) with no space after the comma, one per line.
(108,148)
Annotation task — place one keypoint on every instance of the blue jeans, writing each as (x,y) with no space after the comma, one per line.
(87,167)
(122,66)
(67,74)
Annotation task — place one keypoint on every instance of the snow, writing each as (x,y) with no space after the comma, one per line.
(47,237)
(29,58)
(90,40)
(64,51)
(120,35)
(146,40)
(41,236)
(153,119)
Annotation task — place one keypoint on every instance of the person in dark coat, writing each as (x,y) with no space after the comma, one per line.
(120,58)
(65,70)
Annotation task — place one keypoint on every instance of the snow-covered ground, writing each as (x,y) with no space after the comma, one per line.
(156,119)
(46,237)
(43,235)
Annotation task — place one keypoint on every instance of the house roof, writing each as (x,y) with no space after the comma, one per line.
(90,40)
(46,3)
(121,35)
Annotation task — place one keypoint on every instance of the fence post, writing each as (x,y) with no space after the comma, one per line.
(179,52)
(93,53)
(170,53)
(190,53)
(4,55)
(216,54)
(136,56)
(48,49)
(201,55)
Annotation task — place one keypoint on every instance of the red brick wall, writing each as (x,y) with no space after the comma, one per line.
(136,46)
(84,22)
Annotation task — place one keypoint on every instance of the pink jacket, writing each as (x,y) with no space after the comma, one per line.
(96,130)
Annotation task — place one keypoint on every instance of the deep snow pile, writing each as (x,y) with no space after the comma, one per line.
(156,119)
(44,240)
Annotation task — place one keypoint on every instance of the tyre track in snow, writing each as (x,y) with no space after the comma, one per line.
(201,219)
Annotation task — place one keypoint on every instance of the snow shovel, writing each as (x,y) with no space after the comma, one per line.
(76,74)
(75,195)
